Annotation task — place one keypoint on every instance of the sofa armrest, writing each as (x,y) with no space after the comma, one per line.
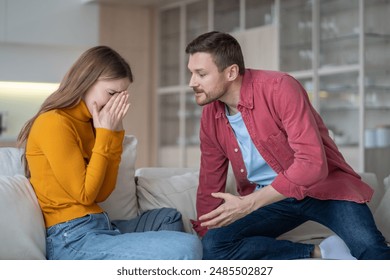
(372,180)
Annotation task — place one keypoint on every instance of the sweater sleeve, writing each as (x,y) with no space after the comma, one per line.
(115,147)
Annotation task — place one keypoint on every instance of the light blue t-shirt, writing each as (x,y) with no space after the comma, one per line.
(258,170)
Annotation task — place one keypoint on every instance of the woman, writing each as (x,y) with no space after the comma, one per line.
(73,150)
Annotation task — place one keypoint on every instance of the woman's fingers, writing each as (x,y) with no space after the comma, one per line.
(113,112)
(120,104)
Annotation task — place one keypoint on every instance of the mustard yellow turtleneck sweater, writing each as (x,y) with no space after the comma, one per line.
(72,166)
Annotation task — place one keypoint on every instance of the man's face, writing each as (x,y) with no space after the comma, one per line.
(207,82)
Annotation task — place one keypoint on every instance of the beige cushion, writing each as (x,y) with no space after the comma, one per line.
(122,203)
(22,233)
(382,213)
(176,192)
(174,188)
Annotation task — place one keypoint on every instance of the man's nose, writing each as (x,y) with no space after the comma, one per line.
(192,81)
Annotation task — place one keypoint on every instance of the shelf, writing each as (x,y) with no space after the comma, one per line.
(325,71)
(377,107)
(297,45)
(337,39)
(298,6)
(377,36)
(304,74)
(331,7)
(377,88)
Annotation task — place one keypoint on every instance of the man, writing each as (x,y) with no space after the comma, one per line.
(287,168)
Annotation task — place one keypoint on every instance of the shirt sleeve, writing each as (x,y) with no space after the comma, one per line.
(212,174)
(297,116)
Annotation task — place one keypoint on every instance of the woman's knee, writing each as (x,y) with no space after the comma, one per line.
(196,248)
(187,247)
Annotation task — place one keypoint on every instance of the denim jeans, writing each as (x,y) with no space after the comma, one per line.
(254,236)
(154,235)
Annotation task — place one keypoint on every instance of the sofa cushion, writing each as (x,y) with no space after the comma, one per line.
(11,161)
(175,188)
(22,231)
(122,202)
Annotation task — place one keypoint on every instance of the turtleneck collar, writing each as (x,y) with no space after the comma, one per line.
(79,112)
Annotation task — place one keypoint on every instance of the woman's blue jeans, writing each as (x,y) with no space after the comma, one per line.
(254,236)
(154,235)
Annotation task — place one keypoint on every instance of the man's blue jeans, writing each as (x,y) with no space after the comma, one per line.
(253,237)
(153,235)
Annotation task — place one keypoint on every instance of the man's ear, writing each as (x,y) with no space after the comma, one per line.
(232,72)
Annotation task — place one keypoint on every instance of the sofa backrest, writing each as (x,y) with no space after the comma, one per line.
(11,161)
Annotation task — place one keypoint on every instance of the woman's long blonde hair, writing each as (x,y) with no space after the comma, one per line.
(97,62)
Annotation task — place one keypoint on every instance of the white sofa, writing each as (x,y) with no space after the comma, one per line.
(22,233)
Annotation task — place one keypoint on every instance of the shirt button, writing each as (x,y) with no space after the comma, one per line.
(242,170)
(236,150)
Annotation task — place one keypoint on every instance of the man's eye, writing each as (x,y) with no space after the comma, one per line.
(112,93)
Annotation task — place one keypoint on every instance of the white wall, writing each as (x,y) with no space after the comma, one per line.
(39,41)
(35,63)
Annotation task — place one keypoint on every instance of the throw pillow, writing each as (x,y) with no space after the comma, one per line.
(122,202)
(22,232)
(178,191)
(174,188)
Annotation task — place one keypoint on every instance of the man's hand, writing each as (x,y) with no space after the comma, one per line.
(112,114)
(233,209)
(237,207)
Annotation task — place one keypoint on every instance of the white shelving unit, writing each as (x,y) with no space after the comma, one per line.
(340,51)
